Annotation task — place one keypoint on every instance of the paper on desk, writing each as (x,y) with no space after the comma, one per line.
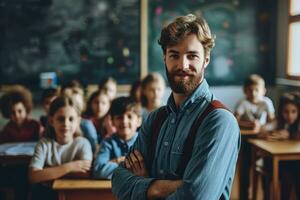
(18,148)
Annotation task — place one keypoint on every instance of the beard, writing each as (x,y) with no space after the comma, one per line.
(184,85)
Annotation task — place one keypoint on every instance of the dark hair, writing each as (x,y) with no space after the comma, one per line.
(183,26)
(89,111)
(14,96)
(254,79)
(134,88)
(75,85)
(289,98)
(150,78)
(121,105)
(50,92)
(58,103)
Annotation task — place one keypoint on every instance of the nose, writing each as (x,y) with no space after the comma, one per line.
(124,119)
(66,122)
(184,62)
(16,115)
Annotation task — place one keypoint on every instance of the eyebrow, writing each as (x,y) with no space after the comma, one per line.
(172,51)
(177,52)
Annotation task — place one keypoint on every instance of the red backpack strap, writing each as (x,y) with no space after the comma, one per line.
(189,143)
(157,123)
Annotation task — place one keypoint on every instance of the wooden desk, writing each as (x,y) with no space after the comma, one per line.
(248,132)
(283,150)
(86,189)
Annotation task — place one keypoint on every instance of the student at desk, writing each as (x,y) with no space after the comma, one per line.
(16,105)
(256,109)
(63,151)
(287,127)
(126,116)
(252,112)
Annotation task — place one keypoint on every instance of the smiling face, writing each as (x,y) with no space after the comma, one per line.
(126,124)
(18,113)
(185,64)
(290,113)
(65,122)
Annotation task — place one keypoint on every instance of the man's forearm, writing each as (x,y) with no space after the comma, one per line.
(162,188)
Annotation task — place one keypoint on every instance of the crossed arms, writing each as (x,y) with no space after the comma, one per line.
(204,178)
(134,162)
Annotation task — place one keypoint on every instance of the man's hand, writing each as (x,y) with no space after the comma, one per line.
(118,160)
(135,163)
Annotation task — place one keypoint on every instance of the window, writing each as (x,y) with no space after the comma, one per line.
(293,63)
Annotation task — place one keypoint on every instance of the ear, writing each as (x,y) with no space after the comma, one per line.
(206,61)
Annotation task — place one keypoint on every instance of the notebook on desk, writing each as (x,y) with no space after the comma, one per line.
(18,148)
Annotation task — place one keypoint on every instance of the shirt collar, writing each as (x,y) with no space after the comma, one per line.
(129,142)
(202,91)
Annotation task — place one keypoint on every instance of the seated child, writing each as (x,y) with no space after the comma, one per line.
(72,87)
(75,91)
(63,150)
(287,124)
(109,86)
(256,109)
(16,105)
(97,109)
(287,127)
(152,91)
(125,113)
(47,97)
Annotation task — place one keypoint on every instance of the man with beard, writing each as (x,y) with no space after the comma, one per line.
(150,171)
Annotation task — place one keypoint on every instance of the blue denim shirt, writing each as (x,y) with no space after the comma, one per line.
(209,173)
(110,148)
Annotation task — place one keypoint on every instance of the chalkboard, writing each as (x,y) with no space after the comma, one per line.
(77,39)
(245,36)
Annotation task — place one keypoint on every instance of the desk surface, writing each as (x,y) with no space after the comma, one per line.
(248,132)
(277,147)
(65,184)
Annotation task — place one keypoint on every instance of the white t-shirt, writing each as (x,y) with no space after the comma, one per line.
(249,111)
(49,153)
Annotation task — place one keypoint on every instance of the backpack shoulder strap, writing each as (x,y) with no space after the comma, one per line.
(189,143)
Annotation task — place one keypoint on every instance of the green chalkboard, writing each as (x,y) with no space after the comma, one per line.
(77,39)
(245,36)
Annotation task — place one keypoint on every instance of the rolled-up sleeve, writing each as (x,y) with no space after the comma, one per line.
(210,171)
